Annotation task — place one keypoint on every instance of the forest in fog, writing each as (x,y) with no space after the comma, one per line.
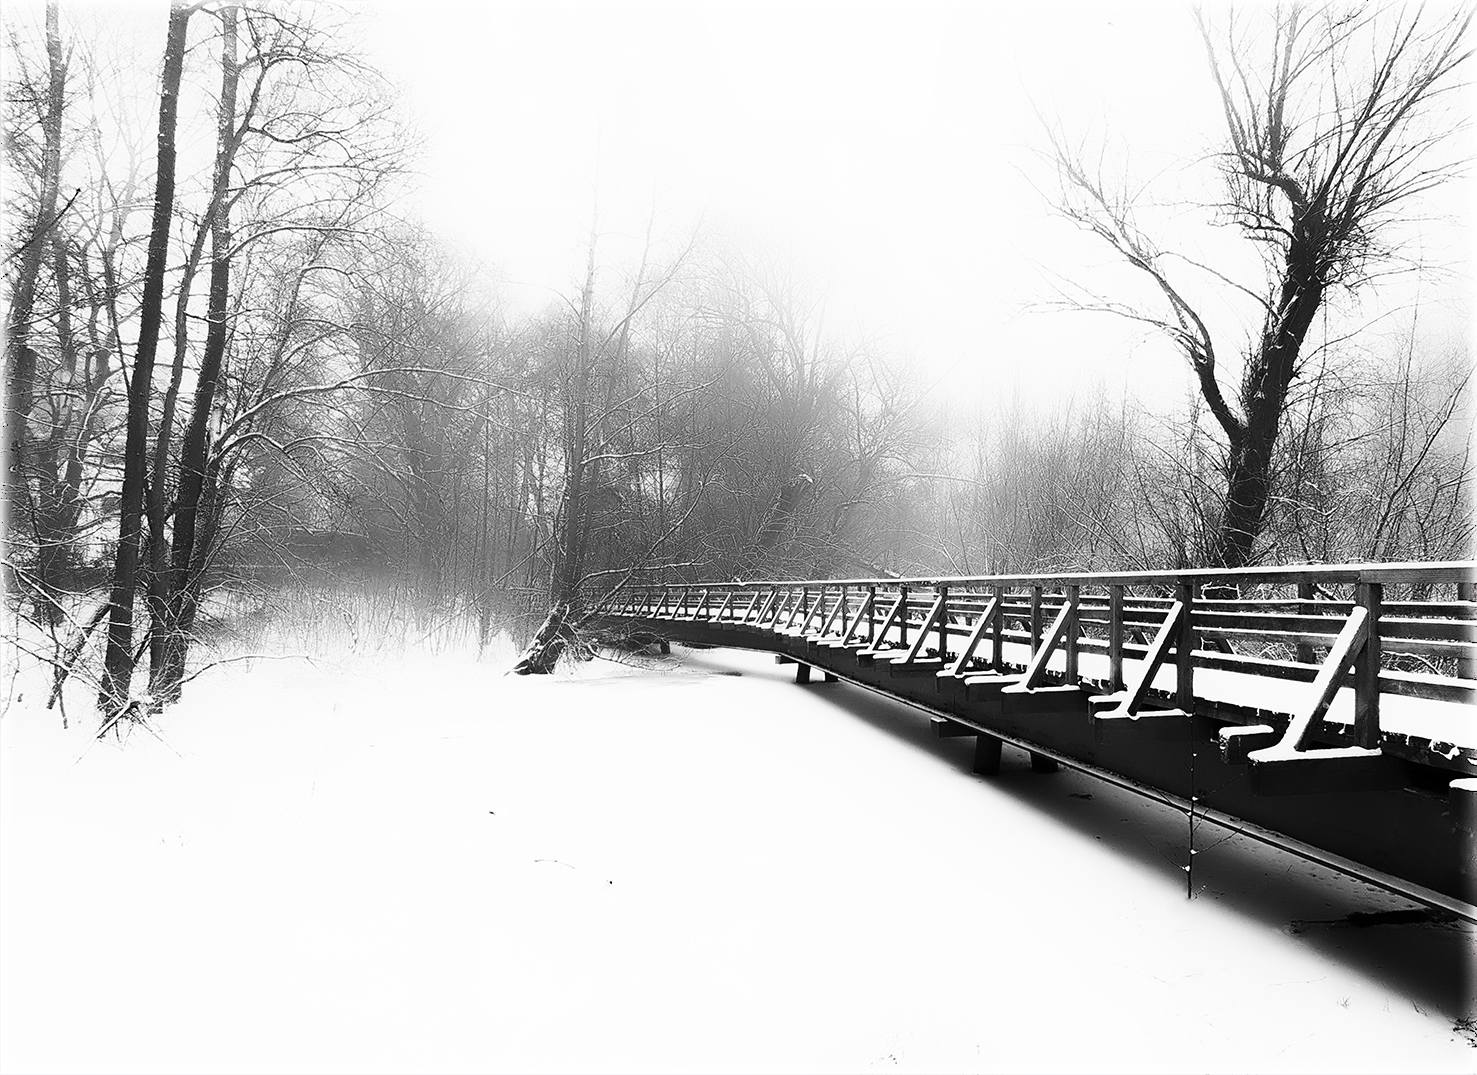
(239,372)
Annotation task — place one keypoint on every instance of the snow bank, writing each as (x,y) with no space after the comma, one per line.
(417,864)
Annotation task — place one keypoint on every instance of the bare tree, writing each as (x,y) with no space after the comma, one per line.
(1333,124)
(118,661)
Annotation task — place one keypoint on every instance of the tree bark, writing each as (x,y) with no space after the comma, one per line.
(20,355)
(179,588)
(118,661)
(1264,387)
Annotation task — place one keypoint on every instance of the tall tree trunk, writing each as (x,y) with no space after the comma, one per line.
(118,662)
(178,590)
(58,499)
(556,632)
(1264,387)
(20,357)
(576,521)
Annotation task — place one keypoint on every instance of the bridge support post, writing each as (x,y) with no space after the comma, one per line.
(802,673)
(986,755)
(1040,763)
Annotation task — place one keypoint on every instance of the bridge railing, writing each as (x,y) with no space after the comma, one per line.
(1384,629)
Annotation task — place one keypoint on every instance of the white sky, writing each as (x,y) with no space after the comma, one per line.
(880,148)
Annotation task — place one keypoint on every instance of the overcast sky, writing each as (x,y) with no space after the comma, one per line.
(881,148)
(886,152)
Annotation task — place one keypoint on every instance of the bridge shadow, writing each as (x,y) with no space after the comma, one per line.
(1422,955)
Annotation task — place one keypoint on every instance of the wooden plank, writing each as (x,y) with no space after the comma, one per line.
(996,642)
(1239,741)
(1367,669)
(1434,629)
(1320,772)
(1305,594)
(1019,700)
(1073,629)
(944,728)
(1257,624)
(1115,638)
(1184,648)
(1113,726)
(1431,573)
(942,623)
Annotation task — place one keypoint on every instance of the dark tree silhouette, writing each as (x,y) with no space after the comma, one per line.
(1332,120)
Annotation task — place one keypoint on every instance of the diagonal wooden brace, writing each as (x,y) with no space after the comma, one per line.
(933,614)
(1169,630)
(1037,668)
(977,635)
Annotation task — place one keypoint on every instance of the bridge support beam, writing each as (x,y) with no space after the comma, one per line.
(1040,763)
(986,755)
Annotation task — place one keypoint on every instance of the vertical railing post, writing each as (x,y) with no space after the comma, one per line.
(845,611)
(1305,599)
(997,631)
(943,624)
(1070,642)
(902,620)
(1184,649)
(1115,638)
(872,616)
(1367,670)
(1466,665)
(1035,617)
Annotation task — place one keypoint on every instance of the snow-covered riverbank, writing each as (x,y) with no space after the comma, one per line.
(416,864)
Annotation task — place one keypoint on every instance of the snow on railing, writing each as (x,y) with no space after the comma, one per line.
(1406,628)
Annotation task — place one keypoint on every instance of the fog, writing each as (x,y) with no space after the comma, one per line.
(892,154)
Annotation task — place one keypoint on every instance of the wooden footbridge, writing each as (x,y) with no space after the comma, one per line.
(1326,709)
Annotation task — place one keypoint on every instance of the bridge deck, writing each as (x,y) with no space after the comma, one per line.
(1342,725)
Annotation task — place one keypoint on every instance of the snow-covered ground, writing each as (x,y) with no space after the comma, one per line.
(402,862)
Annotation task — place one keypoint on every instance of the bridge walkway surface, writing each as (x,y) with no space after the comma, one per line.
(1326,709)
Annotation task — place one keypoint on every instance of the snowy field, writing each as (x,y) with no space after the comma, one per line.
(392,862)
